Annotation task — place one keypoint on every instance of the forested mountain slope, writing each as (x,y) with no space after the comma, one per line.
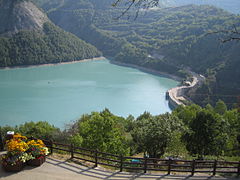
(167,40)
(80,17)
(28,37)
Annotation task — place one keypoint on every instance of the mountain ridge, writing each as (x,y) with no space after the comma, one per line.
(20,15)
(28,37)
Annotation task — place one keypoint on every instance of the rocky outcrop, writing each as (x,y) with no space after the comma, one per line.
(27,37)
(17,15)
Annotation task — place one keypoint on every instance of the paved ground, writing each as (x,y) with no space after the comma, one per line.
(55,169)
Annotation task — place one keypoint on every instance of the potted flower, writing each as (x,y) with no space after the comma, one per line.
(16,153)
(38,151)
(11,163)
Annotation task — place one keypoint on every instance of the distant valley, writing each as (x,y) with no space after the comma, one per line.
(177,34)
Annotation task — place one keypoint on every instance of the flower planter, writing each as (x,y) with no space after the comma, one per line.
(36,162)
(13,168)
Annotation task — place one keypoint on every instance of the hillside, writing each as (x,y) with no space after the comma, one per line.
(80,18)
(168,40)
(28,37)
(228,5)
(165,40)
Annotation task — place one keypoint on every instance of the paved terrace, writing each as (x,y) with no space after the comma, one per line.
(59,169)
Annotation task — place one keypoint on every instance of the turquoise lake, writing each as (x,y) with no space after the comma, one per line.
(61,93)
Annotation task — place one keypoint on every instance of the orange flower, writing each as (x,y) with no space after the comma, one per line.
(16,146)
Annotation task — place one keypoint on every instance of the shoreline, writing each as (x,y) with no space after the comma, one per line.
(54,64)
(172,94)
(147,70)
(176,95)
(173,101)
(143,69)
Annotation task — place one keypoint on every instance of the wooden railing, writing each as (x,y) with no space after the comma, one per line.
(146,164)
(1,140)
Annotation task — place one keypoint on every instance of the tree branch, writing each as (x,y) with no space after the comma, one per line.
(231,35)
(137,4)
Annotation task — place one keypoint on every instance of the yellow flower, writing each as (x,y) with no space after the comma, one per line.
(40,142)
(31,142)
(19,136)
(37,143)
(16,145)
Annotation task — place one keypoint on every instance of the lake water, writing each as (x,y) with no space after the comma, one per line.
(60,94)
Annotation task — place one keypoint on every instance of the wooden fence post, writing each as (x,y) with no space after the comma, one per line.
(1,140)
(193,167)
(121,163)
(72,151)
(145,165)
(51,146)
(96,158)
(238,169)
(214,167)
(169,166)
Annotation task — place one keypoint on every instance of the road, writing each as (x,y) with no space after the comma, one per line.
(177,94)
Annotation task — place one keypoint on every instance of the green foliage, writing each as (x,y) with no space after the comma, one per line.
(41,130)
(210,130)
(102,131)
(207,134)
(5,129)
(131,54)
(103,40)
(153,133)
(233,118)
(176,147)
(80,19)
(76,140)
(220,107)
(189,130)
(188,113)
(52,46)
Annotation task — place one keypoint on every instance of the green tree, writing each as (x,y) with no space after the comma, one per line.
(41,129)
(5,129)
(207,134)
(220,107)
(53,45)
(153,133)
(176,147)
(187,113)
(102,132)
(233,118)
(76,140)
